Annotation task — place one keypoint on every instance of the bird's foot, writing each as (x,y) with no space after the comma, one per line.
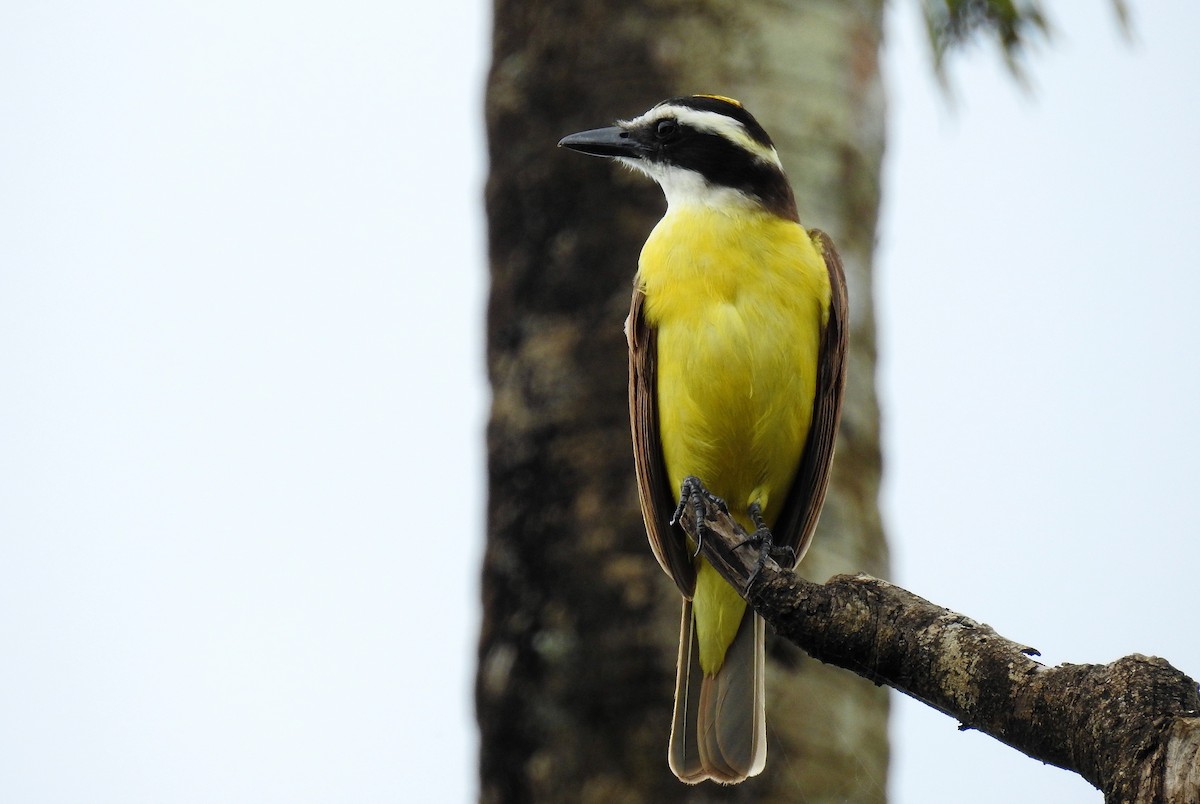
(765,542)
(693,493)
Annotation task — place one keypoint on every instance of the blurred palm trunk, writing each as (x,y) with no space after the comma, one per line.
(578,642)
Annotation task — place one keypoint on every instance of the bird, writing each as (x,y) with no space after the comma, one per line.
(737,336)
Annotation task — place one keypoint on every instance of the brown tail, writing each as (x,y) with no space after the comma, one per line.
(720,728)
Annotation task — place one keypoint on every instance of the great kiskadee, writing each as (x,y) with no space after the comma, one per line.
(737,349)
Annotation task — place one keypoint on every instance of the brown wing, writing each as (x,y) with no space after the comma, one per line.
(802,507)
(654,488)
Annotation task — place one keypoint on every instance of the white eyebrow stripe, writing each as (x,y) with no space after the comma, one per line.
(712,123)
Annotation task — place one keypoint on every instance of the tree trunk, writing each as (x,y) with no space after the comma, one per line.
(578,644)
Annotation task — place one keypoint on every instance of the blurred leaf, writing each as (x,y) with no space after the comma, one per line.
(1015,25)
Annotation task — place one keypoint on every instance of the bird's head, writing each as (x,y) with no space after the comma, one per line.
(702,150)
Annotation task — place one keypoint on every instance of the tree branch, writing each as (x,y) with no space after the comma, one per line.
(1131,728)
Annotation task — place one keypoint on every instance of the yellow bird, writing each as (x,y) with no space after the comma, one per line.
(737,351)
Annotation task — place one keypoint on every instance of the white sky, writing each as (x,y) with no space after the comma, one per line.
(1038,279)
(241,293)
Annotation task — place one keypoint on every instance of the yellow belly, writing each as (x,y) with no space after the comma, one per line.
(739,303)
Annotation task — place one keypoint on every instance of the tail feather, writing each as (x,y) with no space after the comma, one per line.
(684,752)
(719,730)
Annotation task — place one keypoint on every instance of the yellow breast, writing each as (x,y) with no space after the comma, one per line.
(739,300)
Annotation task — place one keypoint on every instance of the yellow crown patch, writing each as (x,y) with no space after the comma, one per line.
(732,101)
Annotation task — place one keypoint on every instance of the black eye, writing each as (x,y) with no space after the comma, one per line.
(666,130)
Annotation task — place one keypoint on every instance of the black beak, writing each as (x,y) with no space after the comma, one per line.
(611,141)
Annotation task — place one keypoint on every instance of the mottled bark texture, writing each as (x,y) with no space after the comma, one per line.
(1131,728)
(578,642)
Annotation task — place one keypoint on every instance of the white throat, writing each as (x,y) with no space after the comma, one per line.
(689,189)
